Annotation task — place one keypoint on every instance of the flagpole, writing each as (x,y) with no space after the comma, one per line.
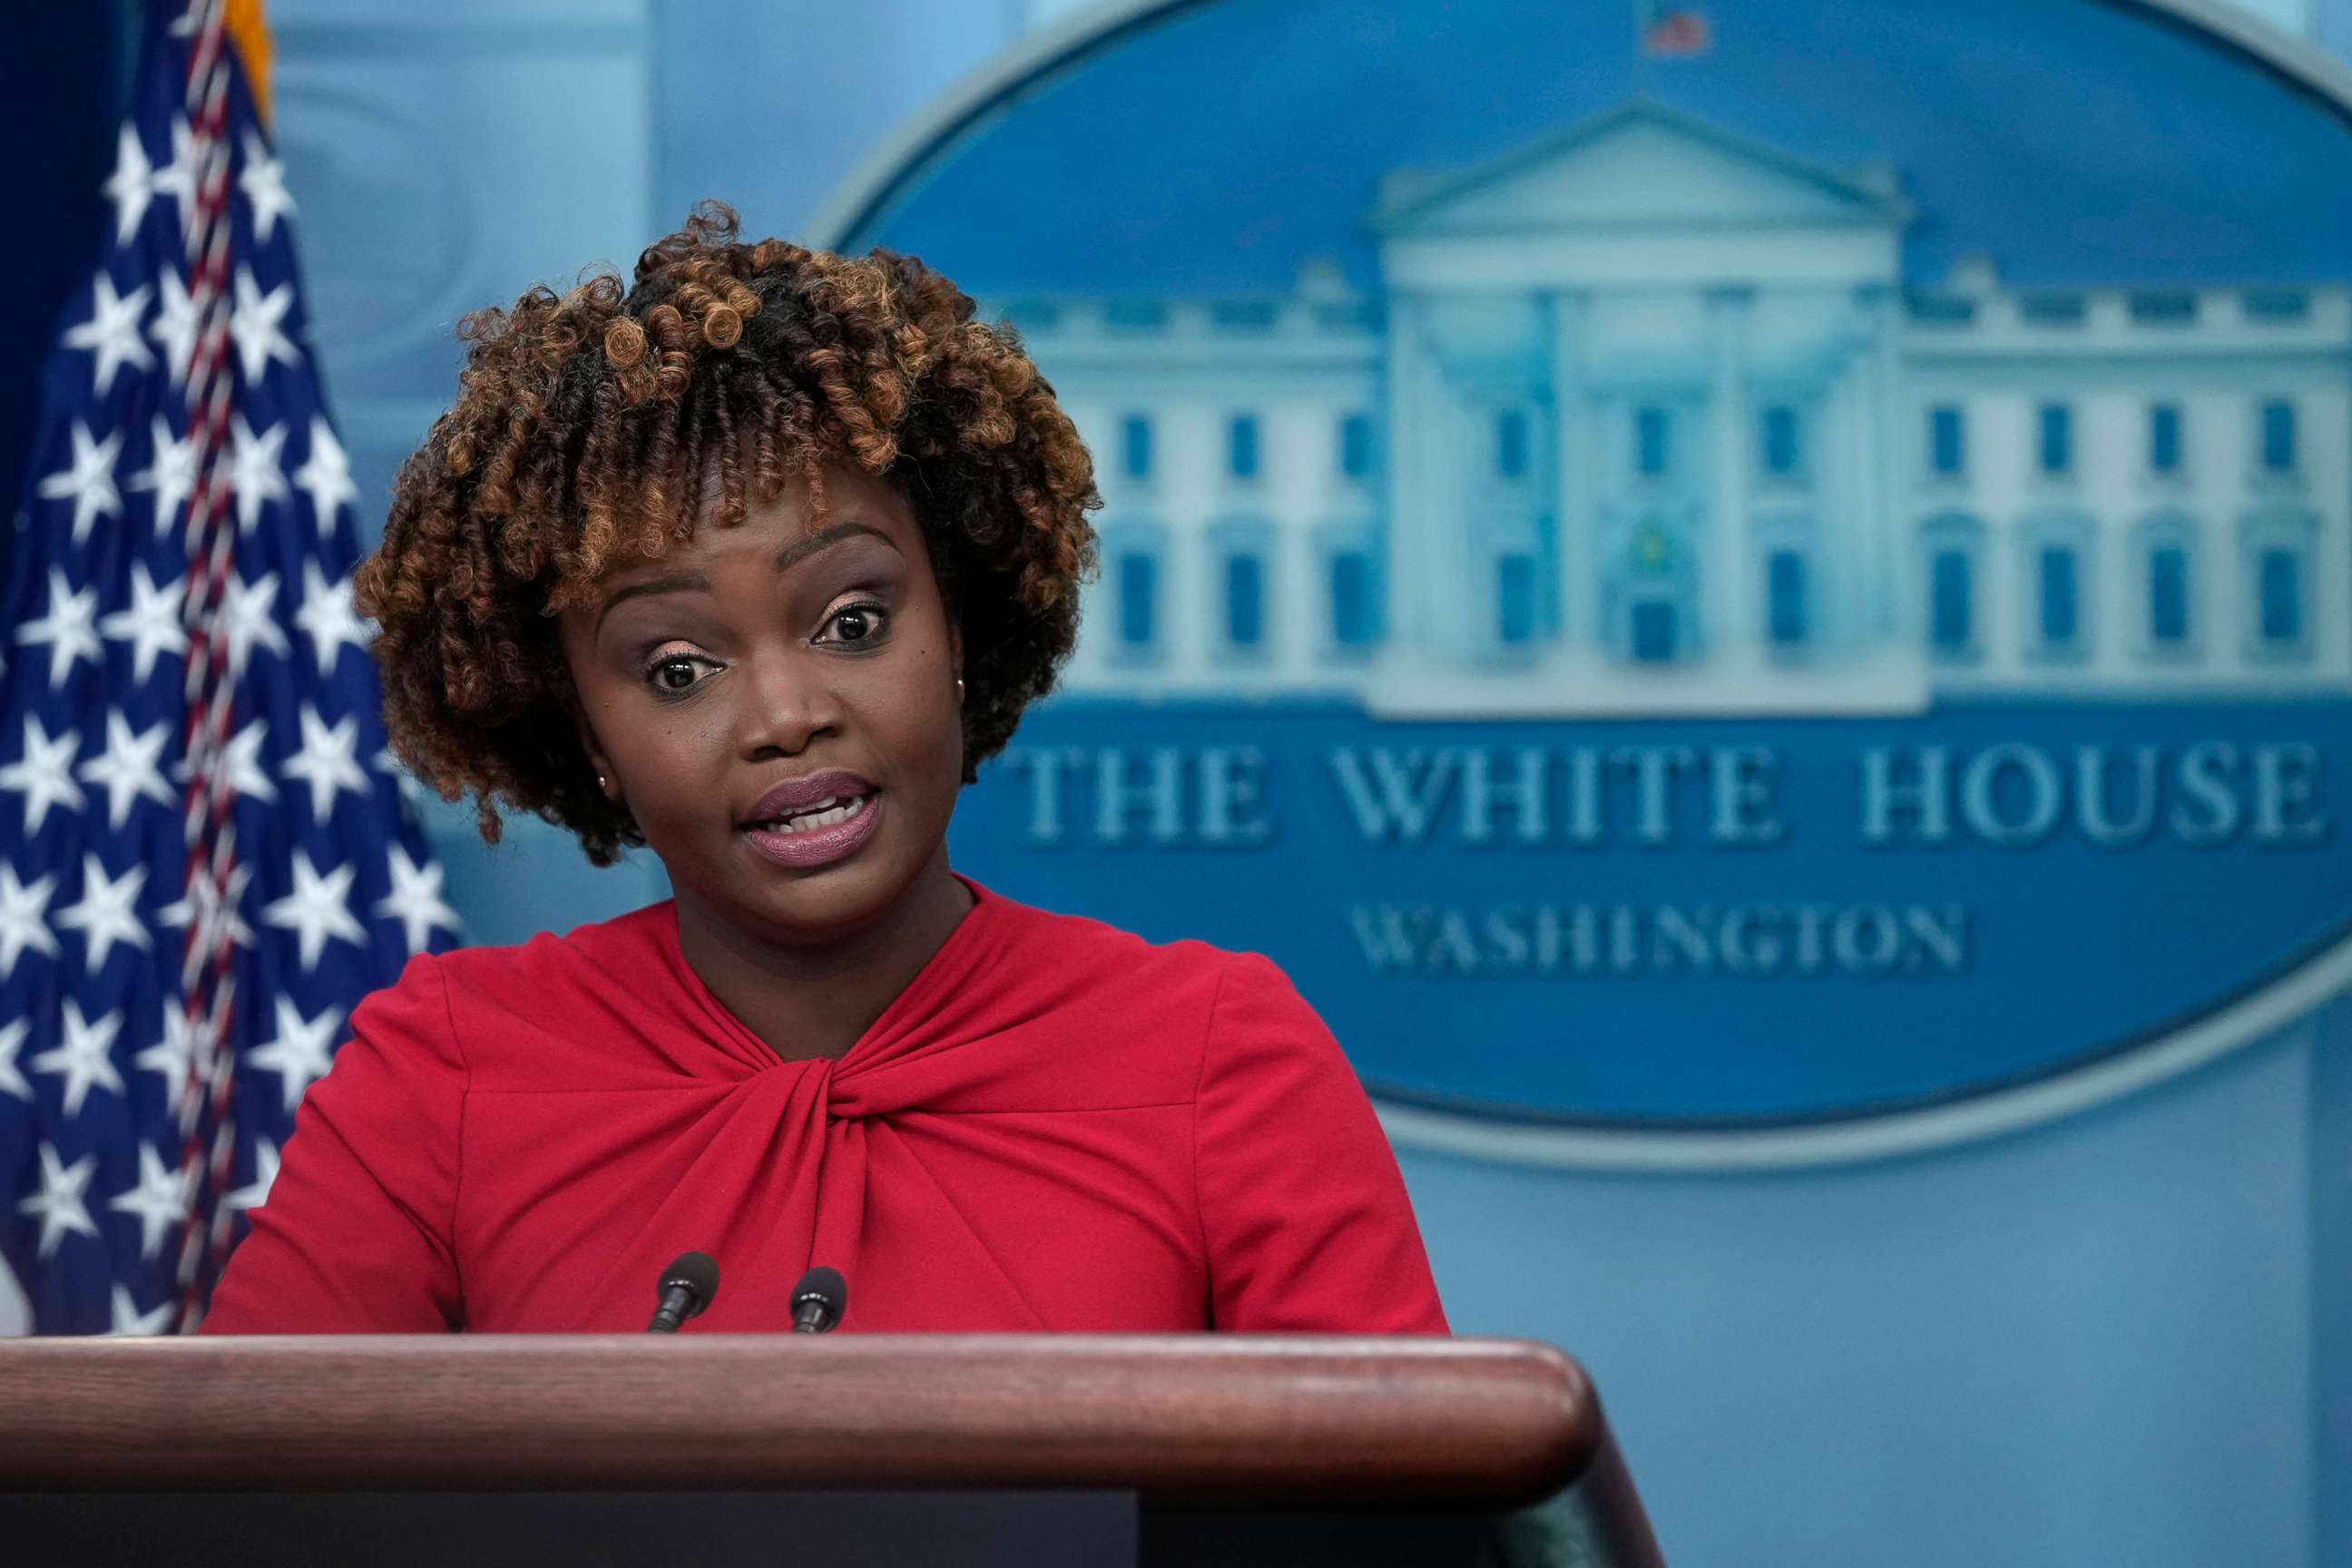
(207,976)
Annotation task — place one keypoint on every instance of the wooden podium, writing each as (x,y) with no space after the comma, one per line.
(858,1448)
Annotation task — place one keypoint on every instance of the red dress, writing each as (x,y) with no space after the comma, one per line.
(1056,1126)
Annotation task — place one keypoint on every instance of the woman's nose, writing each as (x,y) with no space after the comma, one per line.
(784,701)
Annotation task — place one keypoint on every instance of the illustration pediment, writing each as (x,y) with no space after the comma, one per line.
(1640,166)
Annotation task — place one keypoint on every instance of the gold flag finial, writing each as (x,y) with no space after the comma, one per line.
(249,30)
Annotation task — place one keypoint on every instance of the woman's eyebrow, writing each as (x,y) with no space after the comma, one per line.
(830,534)
(673,582)
(787,558)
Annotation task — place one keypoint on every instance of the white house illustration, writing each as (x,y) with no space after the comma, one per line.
(1645,420)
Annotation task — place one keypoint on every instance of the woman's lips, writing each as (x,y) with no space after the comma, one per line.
(794,795)
(820,845)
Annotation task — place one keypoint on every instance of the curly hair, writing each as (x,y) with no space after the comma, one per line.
(597,426)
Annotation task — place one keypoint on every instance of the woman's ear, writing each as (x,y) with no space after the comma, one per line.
(606,780)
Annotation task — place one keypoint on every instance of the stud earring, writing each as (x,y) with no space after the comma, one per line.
(600,781)
(959,689)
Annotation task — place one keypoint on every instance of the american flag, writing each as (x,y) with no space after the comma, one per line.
(1672,30)
(204,857)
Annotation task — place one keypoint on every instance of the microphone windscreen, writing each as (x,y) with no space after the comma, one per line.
(828,1286)
(697,1271)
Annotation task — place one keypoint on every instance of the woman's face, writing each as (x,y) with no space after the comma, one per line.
(755,657)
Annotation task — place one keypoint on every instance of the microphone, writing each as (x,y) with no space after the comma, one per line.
(819,1301)
(687,1285)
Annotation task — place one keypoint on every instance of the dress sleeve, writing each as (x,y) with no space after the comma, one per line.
(1305,1219)
(355,1235)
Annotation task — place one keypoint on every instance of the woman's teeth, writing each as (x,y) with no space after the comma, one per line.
(824,814)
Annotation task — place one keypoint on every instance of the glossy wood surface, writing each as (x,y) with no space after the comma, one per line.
(1394,1421)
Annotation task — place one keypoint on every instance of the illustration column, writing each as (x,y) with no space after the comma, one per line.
(1890,540)
(1420,535)
(1576,522)
(1849,595)
(1732,589)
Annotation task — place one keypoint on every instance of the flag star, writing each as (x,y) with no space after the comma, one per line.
(171,474)
(328,761)
(177,179)
(12,1040)
(89,479)
(151,624)
(318,909)
(257,471)
(161,1200)
(67,628)
(108,910)
(131,1322)
(248,620)
(174,328)
(327,616)
(264,1177)
(86,1058)
(256,325)
(127,769)
(131,187)
(173,1058)
(263,184)
(44,775)
(24,923)
(326,474)
(112,330)
(240,761)
(415,900)
(300,1054)
(59,1204)
(203,906)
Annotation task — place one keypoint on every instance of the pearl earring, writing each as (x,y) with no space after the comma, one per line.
(600,781)
(959,689)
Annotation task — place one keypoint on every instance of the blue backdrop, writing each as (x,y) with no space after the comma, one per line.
(2121,1337)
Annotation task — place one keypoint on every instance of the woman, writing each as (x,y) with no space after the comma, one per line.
(754,566)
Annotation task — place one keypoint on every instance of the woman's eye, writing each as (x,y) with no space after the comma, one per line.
(858,623)
(673,676)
